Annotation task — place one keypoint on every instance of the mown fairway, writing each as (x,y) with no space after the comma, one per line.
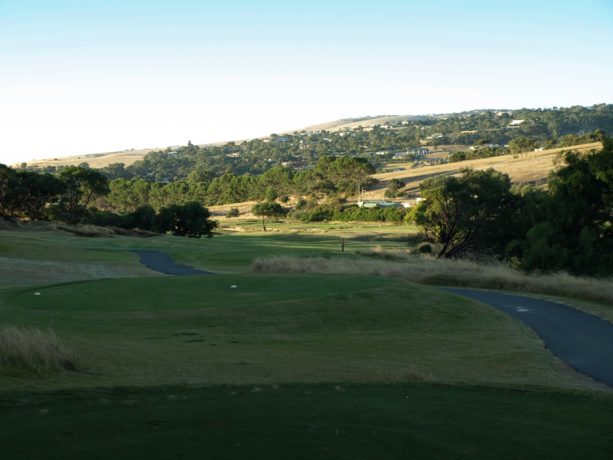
(280,366)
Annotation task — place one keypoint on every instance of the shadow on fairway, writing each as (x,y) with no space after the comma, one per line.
(163,263)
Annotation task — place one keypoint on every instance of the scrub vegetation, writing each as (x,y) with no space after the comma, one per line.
(32,351)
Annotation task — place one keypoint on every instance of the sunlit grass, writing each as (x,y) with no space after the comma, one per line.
(428,270)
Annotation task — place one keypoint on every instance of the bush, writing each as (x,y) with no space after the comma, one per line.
(350,214)
(104,218)
(191,220)
(32,350)
(142,218)
(233,212)
(301,203)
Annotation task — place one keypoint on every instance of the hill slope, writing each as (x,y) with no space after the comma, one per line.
(528,168)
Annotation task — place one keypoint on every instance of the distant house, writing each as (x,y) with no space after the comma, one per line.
(484,146)
(295,164)
(516,122)
(379,204)
(409,204)
(419,151)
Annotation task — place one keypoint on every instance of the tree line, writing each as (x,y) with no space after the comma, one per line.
(69,195)
(331,176)
(80,194)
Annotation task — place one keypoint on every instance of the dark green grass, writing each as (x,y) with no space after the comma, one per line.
(308,422)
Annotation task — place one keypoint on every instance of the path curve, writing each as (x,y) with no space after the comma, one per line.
(162,262)
(582,340)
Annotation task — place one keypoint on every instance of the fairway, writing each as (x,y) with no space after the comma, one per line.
(279,328)
(302,365)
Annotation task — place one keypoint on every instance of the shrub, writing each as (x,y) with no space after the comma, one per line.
(104,218)
(301,203)
(143,218)
(233,212)
(190,219)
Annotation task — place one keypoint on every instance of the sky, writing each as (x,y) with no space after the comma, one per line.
(88,76)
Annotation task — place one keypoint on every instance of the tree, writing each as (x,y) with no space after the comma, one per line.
(522,144)
(37,191)
(143,218)
(269,209)
(26,193)
(271,194)
(81,185)
(392,189)
(573,228)
(190,219)
(469,213)
(8,191)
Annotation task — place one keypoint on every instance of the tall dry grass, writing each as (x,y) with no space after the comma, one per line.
(32,350)
(427,270)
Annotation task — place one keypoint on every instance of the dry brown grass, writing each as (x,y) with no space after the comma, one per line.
(32,350)
(96,160)
(427,270)
(353,123)
(531,166)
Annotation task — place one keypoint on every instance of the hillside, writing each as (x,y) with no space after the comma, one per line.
(531,167)
(95,160)
(353,123)
(128,157)
(375,139)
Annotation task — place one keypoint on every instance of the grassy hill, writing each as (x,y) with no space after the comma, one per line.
(95,160)
(128,157)
(353,123)
(530,167)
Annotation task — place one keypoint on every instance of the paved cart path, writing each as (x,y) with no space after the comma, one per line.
(584,341)
(163,263)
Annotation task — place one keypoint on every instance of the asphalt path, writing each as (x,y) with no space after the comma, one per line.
(582,340)
(163,263)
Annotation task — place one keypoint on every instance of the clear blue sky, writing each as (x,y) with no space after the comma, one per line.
(83,76)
